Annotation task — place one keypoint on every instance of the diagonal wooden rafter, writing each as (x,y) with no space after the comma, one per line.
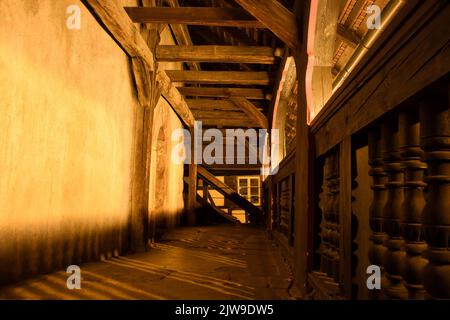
(251,110)
(118,24)
(198,16)
(226,54)
(276,18)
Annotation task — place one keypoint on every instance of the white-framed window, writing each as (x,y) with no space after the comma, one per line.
(250,189)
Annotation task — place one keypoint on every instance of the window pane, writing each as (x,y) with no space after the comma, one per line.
(243,182)
(255,182)
(243,191)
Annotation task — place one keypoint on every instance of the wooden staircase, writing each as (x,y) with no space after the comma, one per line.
(254,213)
(215,210)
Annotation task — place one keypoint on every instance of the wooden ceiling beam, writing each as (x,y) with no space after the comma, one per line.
(249,93)
(225,54)
(198,16)
(251,110)
(348,36)
(211,104)
(220,77)
(229,123)
(219,114)
(276,18)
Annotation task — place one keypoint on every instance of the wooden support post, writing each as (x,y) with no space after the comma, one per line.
(192,191)
(303,244)
(305,157)
(205,192)
(139,219)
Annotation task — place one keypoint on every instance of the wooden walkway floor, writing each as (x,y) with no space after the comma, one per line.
(218,262)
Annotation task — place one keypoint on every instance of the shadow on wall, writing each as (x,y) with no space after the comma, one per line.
(23,255)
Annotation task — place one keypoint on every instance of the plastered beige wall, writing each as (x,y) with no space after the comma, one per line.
(67,113)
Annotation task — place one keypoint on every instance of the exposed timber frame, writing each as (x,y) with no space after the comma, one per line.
(116,21)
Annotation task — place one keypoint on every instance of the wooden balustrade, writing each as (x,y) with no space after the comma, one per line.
(396,102)
(409,216)
(410,236)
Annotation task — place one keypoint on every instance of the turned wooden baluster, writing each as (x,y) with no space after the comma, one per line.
(394,256)
(435,141)
(334,219)
(379,179)
(411,227)
(325,245)
(324,200)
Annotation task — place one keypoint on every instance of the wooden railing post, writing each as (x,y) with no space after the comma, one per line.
(411,226)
